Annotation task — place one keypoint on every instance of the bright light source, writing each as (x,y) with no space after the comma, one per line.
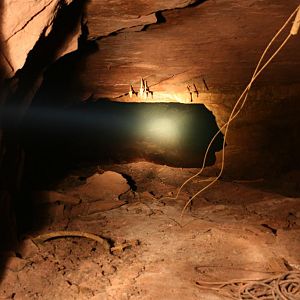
(163,130)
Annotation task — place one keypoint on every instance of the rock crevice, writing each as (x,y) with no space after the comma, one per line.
(29,20)
(105,20)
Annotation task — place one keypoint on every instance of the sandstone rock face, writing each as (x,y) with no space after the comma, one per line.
(219,41)
(109,185)
(23,23)
(106,17)
(29,43)
(213,45)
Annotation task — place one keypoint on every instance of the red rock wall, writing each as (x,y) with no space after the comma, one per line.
(212,44)
(33,35)
(173,44)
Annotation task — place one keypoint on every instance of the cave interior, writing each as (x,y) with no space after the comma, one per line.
(150,149)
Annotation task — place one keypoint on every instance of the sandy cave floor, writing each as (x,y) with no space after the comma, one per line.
(234,230)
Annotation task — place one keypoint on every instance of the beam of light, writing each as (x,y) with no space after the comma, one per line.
(163,129)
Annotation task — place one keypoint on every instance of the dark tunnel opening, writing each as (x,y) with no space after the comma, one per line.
(57,140)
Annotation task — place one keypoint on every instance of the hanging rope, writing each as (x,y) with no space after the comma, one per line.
(235,112)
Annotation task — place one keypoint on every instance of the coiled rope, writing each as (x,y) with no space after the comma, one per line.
(281,287)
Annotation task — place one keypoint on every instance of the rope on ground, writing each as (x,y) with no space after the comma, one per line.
(281,287)
(62,234)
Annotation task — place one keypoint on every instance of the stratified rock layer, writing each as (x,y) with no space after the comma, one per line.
(213,48)
(23,24)
(210,46)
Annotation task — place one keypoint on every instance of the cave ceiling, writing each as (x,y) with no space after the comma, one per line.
(171,43)
(174,43)
(214,44)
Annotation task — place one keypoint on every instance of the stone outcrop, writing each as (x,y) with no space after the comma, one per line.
(213,45)
(23,24)
(108,17)
(219,41)
(33,35)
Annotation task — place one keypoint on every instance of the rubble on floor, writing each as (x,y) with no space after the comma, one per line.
(232,231)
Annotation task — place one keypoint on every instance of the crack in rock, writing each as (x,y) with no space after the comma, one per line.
(150,19)
(7,61)
(30,25)
(160,17)
(156,16)
(139,27)
(30,20)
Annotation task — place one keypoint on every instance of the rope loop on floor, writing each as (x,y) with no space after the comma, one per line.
(282,287)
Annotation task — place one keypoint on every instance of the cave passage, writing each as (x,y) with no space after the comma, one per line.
(104,131)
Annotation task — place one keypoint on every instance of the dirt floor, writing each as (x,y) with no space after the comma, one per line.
(233,231)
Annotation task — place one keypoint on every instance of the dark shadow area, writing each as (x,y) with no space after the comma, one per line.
(130,181)
(61,86)
(7,228)
(19,93)
(161,19)
(173,134)
(280,131)
(56,140)
(47,49)
(196,3)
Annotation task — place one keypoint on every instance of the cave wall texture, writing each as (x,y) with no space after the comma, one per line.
(33,35)
(63,51)
(178,43)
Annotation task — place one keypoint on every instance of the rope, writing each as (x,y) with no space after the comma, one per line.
(235,112)
(233,115)
(63,234)
(281,287)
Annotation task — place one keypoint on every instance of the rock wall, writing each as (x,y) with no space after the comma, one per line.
(212,45)
(23,24)
(218,41)
(101,47)
(33,35)
(263,140)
